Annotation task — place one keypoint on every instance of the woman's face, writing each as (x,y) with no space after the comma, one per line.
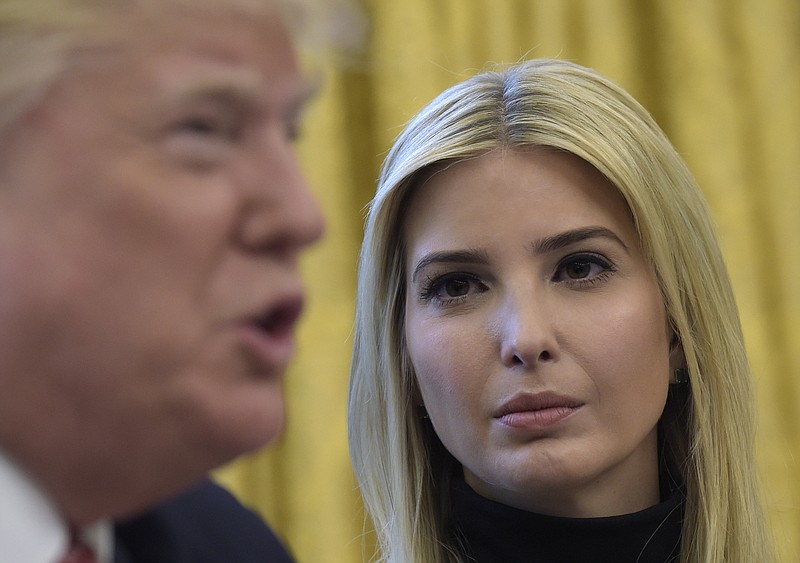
(537,333)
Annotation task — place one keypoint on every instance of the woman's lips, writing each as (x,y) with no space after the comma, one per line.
(538,419)
(269,337)
(536,411)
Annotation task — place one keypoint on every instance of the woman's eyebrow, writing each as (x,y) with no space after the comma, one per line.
(470,256)
(567,238)
(540,246)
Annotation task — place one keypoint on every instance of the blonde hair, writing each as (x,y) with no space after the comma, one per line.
(39,39)
(708,429)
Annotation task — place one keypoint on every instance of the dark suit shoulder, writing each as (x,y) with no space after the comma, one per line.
(205,524)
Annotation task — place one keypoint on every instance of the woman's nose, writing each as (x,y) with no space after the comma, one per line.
(527,333)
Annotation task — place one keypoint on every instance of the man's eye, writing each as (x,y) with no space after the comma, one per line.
(202,140)
(222,128)
(293,131)
(199,126)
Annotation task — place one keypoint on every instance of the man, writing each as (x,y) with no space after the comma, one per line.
(151,217)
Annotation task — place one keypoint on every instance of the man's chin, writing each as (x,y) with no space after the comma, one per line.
(247,429)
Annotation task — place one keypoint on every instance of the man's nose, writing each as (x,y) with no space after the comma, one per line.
(281,213)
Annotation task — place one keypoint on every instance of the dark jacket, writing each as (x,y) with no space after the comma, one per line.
(205,524)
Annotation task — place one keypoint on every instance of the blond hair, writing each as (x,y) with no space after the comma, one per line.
(39,39)
(708,429)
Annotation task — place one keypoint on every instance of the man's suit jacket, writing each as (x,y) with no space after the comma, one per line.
(205,524)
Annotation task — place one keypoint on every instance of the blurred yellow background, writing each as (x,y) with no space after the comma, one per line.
(722,77)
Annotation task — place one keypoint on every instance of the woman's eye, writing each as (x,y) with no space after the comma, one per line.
(450,289)
(578,269)
(588,268)
(455,287)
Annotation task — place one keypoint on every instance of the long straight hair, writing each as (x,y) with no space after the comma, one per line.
(708,429)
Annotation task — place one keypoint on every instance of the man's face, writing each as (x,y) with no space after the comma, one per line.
(151,216)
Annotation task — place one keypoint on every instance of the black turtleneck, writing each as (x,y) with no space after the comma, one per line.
(496,533)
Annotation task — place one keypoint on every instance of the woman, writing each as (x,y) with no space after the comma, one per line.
(548,361)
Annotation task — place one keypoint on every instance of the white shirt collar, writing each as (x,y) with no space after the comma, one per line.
(31,528)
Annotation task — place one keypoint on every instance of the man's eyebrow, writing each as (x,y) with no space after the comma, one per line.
(567,238)
(469,256)
(235,84)
(246,87)
(307,91)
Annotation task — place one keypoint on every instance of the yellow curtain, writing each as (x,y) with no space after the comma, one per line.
(722,77)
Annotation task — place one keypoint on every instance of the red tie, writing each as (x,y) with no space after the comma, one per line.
(78,552)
